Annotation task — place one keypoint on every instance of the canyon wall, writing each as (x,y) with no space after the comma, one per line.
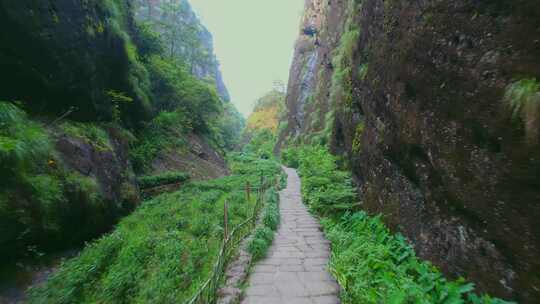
(433,106)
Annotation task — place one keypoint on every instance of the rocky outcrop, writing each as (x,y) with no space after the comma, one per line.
(310,75)
(108,163)
(62,54)
(424,121)
(201,161)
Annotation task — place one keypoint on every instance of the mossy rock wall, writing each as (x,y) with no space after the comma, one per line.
(428,131)
(69,53)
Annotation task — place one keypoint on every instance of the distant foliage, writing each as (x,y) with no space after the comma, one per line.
(164,251)
(183,105)
(266,112)
(230,126)
(261,143)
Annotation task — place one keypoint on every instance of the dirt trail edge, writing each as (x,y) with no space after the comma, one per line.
(295,269)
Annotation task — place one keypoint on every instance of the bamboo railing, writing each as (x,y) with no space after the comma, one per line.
(207,293)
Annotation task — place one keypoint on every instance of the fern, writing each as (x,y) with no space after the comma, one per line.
(523,97)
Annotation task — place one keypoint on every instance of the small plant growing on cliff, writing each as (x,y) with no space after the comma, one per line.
(523,97)
(356,148)
(118,99)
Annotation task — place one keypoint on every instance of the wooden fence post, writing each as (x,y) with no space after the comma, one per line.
(225,222)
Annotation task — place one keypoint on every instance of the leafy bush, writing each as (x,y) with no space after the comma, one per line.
(162,179)
(524,99)
(261,143)
(325,188)
(162,252)
(264,234)
(289,157)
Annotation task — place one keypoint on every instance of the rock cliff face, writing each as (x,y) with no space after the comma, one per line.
(419,97)
(60,54)
(186,37)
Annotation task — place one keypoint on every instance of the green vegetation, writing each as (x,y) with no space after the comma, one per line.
(164,251)
(261,144)
(264,234)
(262,125)
(326,189)
(523,97)
(42,204)
(182,105)
(162,179)
(342,78)
(371,264)
(89,133)
(385,266)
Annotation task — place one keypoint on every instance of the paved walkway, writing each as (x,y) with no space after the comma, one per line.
(294,270)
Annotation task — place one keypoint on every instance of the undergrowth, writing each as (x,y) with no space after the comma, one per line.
(371,264)
(164,251)
(264,234)
(166,178)
(44,205)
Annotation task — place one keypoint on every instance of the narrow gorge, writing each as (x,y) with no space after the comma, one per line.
(137,167)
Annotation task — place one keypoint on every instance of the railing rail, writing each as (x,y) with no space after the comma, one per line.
(207,293)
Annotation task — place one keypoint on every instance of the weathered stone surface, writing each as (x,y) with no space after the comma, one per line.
(427,132)
(294,270)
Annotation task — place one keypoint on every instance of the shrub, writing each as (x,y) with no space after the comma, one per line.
(262,239)
(325,188)
(261,143)
(264,234)
(523,97)
(162,179)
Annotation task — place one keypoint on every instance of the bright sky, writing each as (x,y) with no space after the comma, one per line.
(254,42)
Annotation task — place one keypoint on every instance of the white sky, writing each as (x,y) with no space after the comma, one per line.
(254,42)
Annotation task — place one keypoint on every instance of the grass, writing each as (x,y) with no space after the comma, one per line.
(89,133)
(164,251)
(370,263)
(166,178)
(264,234)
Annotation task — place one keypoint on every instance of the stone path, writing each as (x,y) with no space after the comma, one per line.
(294,270)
